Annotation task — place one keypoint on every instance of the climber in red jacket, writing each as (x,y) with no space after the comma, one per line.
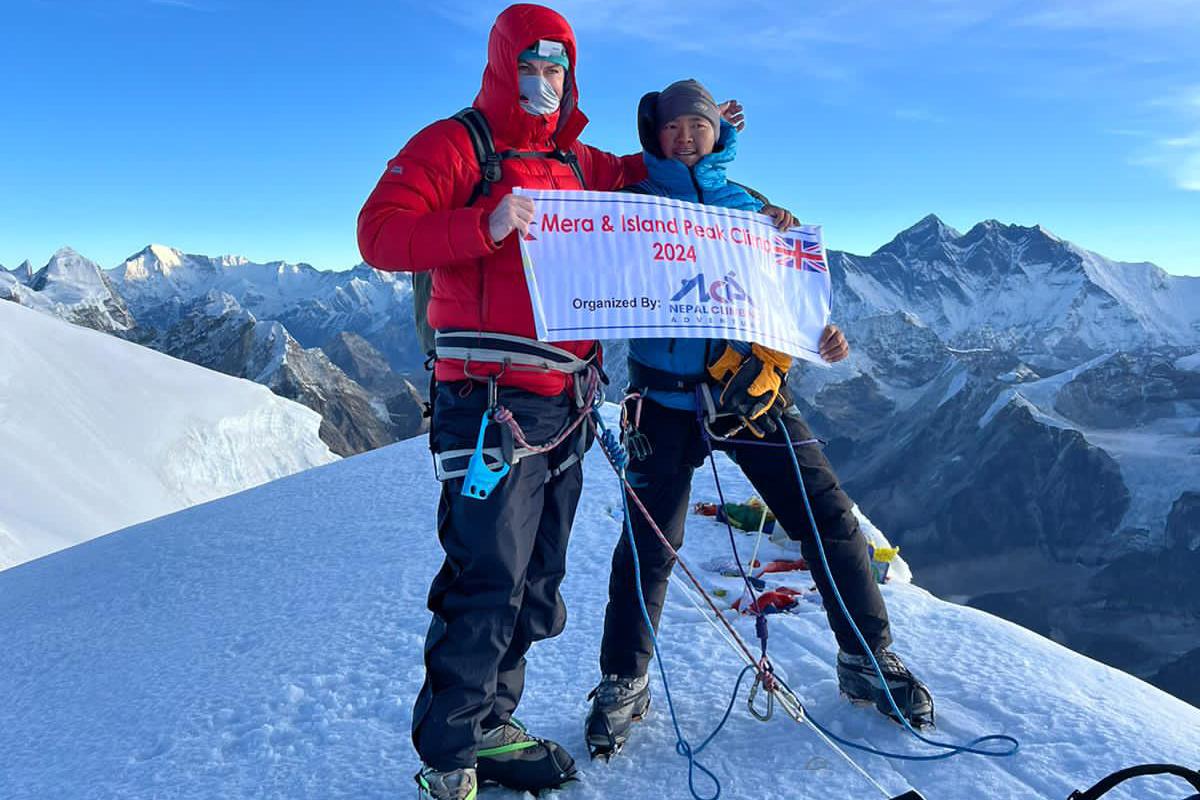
(508,428)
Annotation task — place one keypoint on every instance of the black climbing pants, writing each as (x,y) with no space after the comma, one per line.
(663,482)
(498,589)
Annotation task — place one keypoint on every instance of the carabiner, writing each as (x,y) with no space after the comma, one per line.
(762,716)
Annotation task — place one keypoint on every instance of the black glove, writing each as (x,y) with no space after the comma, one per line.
(752,386)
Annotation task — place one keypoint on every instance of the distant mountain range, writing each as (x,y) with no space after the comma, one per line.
(1017,405)
(263,322)
(1013,402)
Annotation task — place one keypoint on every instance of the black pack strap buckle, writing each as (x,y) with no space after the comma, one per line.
(492,171)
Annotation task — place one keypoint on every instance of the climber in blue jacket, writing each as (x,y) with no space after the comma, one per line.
(687,149)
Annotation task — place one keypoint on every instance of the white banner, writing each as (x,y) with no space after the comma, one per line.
(610,265)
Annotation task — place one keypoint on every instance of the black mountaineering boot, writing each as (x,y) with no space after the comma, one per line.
(509,756)
(858,680)
(456,784)
(617,703)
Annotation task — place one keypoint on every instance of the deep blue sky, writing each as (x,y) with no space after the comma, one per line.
(257,128)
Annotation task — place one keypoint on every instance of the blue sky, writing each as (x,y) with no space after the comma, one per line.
(258,128)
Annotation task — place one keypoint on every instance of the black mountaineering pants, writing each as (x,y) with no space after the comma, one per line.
(663,482)
(497,591)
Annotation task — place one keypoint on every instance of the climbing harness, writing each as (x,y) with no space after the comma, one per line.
(484,467)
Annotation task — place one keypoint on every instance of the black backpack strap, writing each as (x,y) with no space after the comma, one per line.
(1189,775)
(759,196)
(485,150)
(571,160)
(565,156)
(489,160)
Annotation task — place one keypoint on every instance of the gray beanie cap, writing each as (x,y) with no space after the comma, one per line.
(687,97)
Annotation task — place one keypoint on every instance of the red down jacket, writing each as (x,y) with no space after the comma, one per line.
(416,218)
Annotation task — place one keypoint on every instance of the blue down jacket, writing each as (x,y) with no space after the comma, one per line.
(703,183)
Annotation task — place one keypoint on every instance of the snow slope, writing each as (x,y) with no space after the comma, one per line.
(268,645)
(99,433)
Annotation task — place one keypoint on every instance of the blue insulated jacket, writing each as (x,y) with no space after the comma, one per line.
(703,183)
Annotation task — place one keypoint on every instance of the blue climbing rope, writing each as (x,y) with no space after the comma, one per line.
(952,749)
(619,458)
(610,443)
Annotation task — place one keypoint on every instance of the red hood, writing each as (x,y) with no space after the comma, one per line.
(516,29)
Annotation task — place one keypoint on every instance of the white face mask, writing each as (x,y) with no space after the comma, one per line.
(537,95)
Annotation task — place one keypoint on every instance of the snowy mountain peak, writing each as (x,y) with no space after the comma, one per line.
(67,267)
(929,233)
(65,252)
(996,230)
(1044,231)
(931,222)
(167,256)
(71,287)
(217,304)
(152,260)
(1018,288)
(156,261)
(23,273)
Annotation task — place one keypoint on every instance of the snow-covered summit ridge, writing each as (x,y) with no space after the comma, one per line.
(270,643)
(159,259)
(926,232)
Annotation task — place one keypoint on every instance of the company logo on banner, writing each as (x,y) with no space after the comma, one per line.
(604,265)
(726,292)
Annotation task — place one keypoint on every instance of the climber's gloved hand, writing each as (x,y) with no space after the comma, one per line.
(752,385)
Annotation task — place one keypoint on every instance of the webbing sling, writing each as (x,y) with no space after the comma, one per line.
(644,377)
(454,463)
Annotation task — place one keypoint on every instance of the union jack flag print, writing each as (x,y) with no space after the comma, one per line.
(797,251)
